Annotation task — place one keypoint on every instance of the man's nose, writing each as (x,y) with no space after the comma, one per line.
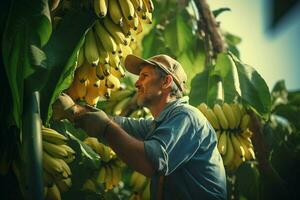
(137,83)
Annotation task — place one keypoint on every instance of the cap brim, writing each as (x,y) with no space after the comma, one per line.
(133,64)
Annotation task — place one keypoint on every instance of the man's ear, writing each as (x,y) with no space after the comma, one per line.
(167,82)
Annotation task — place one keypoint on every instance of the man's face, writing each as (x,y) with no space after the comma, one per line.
(149,86)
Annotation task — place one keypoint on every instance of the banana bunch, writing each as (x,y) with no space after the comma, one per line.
(110,174)
(112,37)
(231,123)
(140,187)
(106,153)
(56,157)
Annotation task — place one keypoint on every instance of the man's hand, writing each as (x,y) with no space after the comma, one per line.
(62,106)
(94,123)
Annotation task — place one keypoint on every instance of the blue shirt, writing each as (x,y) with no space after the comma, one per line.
(182,145)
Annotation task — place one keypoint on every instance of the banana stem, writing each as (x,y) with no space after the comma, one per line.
(32,146)
(211,27)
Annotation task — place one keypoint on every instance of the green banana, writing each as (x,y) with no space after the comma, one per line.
(238,148)
(55,150)
(115,31)
(237,113)
(245,122)
(115,12)
(100,7)
(90,48)
(101,176)
(106,39)
(121,105)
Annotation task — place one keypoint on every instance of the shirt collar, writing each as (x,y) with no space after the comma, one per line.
(170,106)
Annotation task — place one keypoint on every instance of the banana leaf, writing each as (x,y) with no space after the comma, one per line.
(27,29)
(61,51)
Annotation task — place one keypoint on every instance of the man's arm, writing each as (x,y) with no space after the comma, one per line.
(129,149)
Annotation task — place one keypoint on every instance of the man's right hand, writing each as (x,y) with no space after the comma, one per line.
(94,123)
(62,107)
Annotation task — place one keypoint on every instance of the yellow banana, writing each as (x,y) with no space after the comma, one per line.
(89,185)
(100,7)
(247,145)
(72,92)
(127,9)
(108,178)
(53,136)
(53,193)
(210,115)
(229,115)
(118,72)
(139,184)
(90,48)
(92,93)
(121,94)
(106,39)
(66,168)
(245,122)
(63,184)
(222,143)
(126,28)
(55,150)
(138,4)
(228,157)
(112,82)
(115,11)
(247,133)
(82,72)
(101,176)
(69,150)
(149,5)
(221,117)
(52,165)
(114,60)
(103,54)
(146,192)
(99,72)
(115,31)
(238,148)
(106,69)
(237,113)
(80,87)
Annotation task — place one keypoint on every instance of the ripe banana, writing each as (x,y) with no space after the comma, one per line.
(127,9)
(55,150)
(82,72)
(112,82)
(53,136)
(245,122)
(229,115)
(238,148)
(247,133)
(118,72)
(228,157)
(222,143)
(210,115)
(237,113)
(53,193)
(221,117)
(149,5)
(100,7)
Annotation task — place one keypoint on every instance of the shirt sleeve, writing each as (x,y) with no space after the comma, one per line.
(137,128)
(174,142)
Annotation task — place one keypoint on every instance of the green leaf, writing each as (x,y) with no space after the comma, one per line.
(203,89)
(61,51)
(28,24)
(178,33)
(254,90)
(226,70)
(248,180)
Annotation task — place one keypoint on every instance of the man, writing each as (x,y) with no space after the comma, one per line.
(178,149)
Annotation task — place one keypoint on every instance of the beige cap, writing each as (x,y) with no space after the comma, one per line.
(169,65)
